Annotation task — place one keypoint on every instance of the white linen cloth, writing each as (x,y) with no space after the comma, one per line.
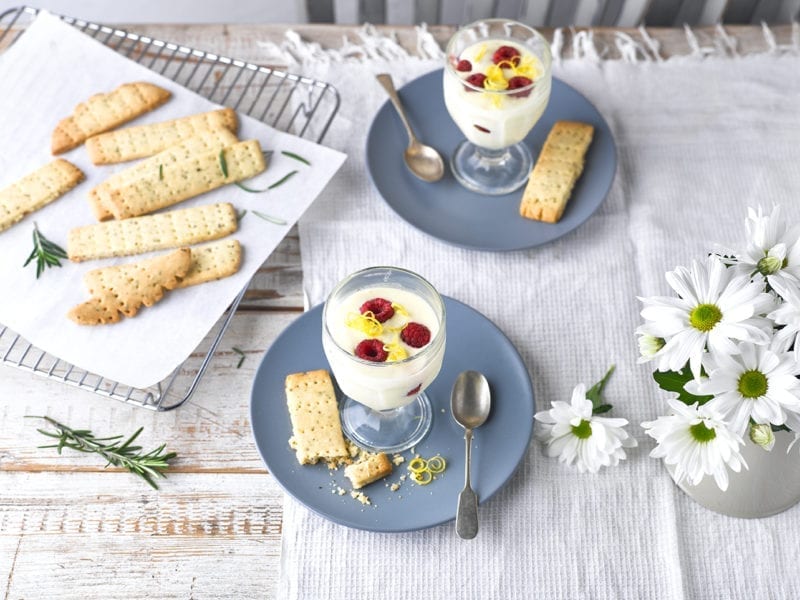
(50,69)
(700,138)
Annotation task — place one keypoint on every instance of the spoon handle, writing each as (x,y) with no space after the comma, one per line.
(386,81)
(467,511)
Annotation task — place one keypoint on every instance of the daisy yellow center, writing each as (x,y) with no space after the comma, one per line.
(582,430)
(701,433)
(753,384)
(705,317)
(770,264)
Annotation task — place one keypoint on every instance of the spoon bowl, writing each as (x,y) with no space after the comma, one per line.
(470,399)
(470,403)
(423,161)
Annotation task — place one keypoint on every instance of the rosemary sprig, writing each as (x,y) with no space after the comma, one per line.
(46,253)
(269,218)
(148,465)
(295,156)
(241,356)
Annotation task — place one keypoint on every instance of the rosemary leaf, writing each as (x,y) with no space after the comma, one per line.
(241,357)
(149,466)
(269,218)
(46,253)
(160,172)
(295,156)
(223,164)
(240,215)
(282,180)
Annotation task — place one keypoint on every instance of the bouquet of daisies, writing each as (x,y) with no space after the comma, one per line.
(727,346)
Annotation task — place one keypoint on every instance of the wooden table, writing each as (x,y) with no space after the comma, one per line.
(71,528)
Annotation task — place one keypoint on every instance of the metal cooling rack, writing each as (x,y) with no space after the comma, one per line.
(260,92)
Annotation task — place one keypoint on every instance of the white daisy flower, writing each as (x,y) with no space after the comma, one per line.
(696,441)
(772,248)
(650,347)
(787,315)
(713,309)
(758,384)
(574,435)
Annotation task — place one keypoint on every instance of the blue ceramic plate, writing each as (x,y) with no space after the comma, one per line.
(453,214)
(473,342)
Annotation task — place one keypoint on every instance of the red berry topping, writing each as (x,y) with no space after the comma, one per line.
(483,129)
(506,54)
(519,82)
(415,335)
(464,65)
(371,350)
(475,79)
(415,391)
(380,307)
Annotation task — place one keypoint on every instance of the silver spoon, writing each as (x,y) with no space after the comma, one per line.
(423,161)
(470,402)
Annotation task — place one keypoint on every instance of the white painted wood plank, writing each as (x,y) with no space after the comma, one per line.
(104,536)
(562,13)
(534,13)
(452,12)
(346,11)
(400,12)
(174,11)
(632,13)
(586,13)
(478,9)
(427,11)
(789,11)
(712,13)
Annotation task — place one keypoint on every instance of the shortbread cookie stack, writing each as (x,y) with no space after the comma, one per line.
(182,158)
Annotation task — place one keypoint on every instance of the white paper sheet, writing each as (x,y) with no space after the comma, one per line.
(49,70)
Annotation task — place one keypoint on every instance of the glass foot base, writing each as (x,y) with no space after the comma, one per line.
(491,172)
(389,430)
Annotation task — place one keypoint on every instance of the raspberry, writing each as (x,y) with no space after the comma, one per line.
(371,350)
(415,335)
(506,54)
(464,65)
(380,307)
(415,391)
(519,82)
(475,79)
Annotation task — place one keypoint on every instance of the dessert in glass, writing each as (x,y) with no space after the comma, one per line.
(383,333)
(496,87)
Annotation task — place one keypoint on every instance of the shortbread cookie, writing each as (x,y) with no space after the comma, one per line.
(36,190)
(153,232)
(210,140)
(558,167)
(125,288)
(103,112)
(186,179)
(146,140)
(316,429)
(213,261)
(364,472)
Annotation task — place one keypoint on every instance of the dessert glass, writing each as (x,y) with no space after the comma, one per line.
(495,96)
(385,407)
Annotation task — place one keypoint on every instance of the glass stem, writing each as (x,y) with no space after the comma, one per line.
(491,157)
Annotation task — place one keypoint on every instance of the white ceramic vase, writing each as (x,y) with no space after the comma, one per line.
(771,484)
